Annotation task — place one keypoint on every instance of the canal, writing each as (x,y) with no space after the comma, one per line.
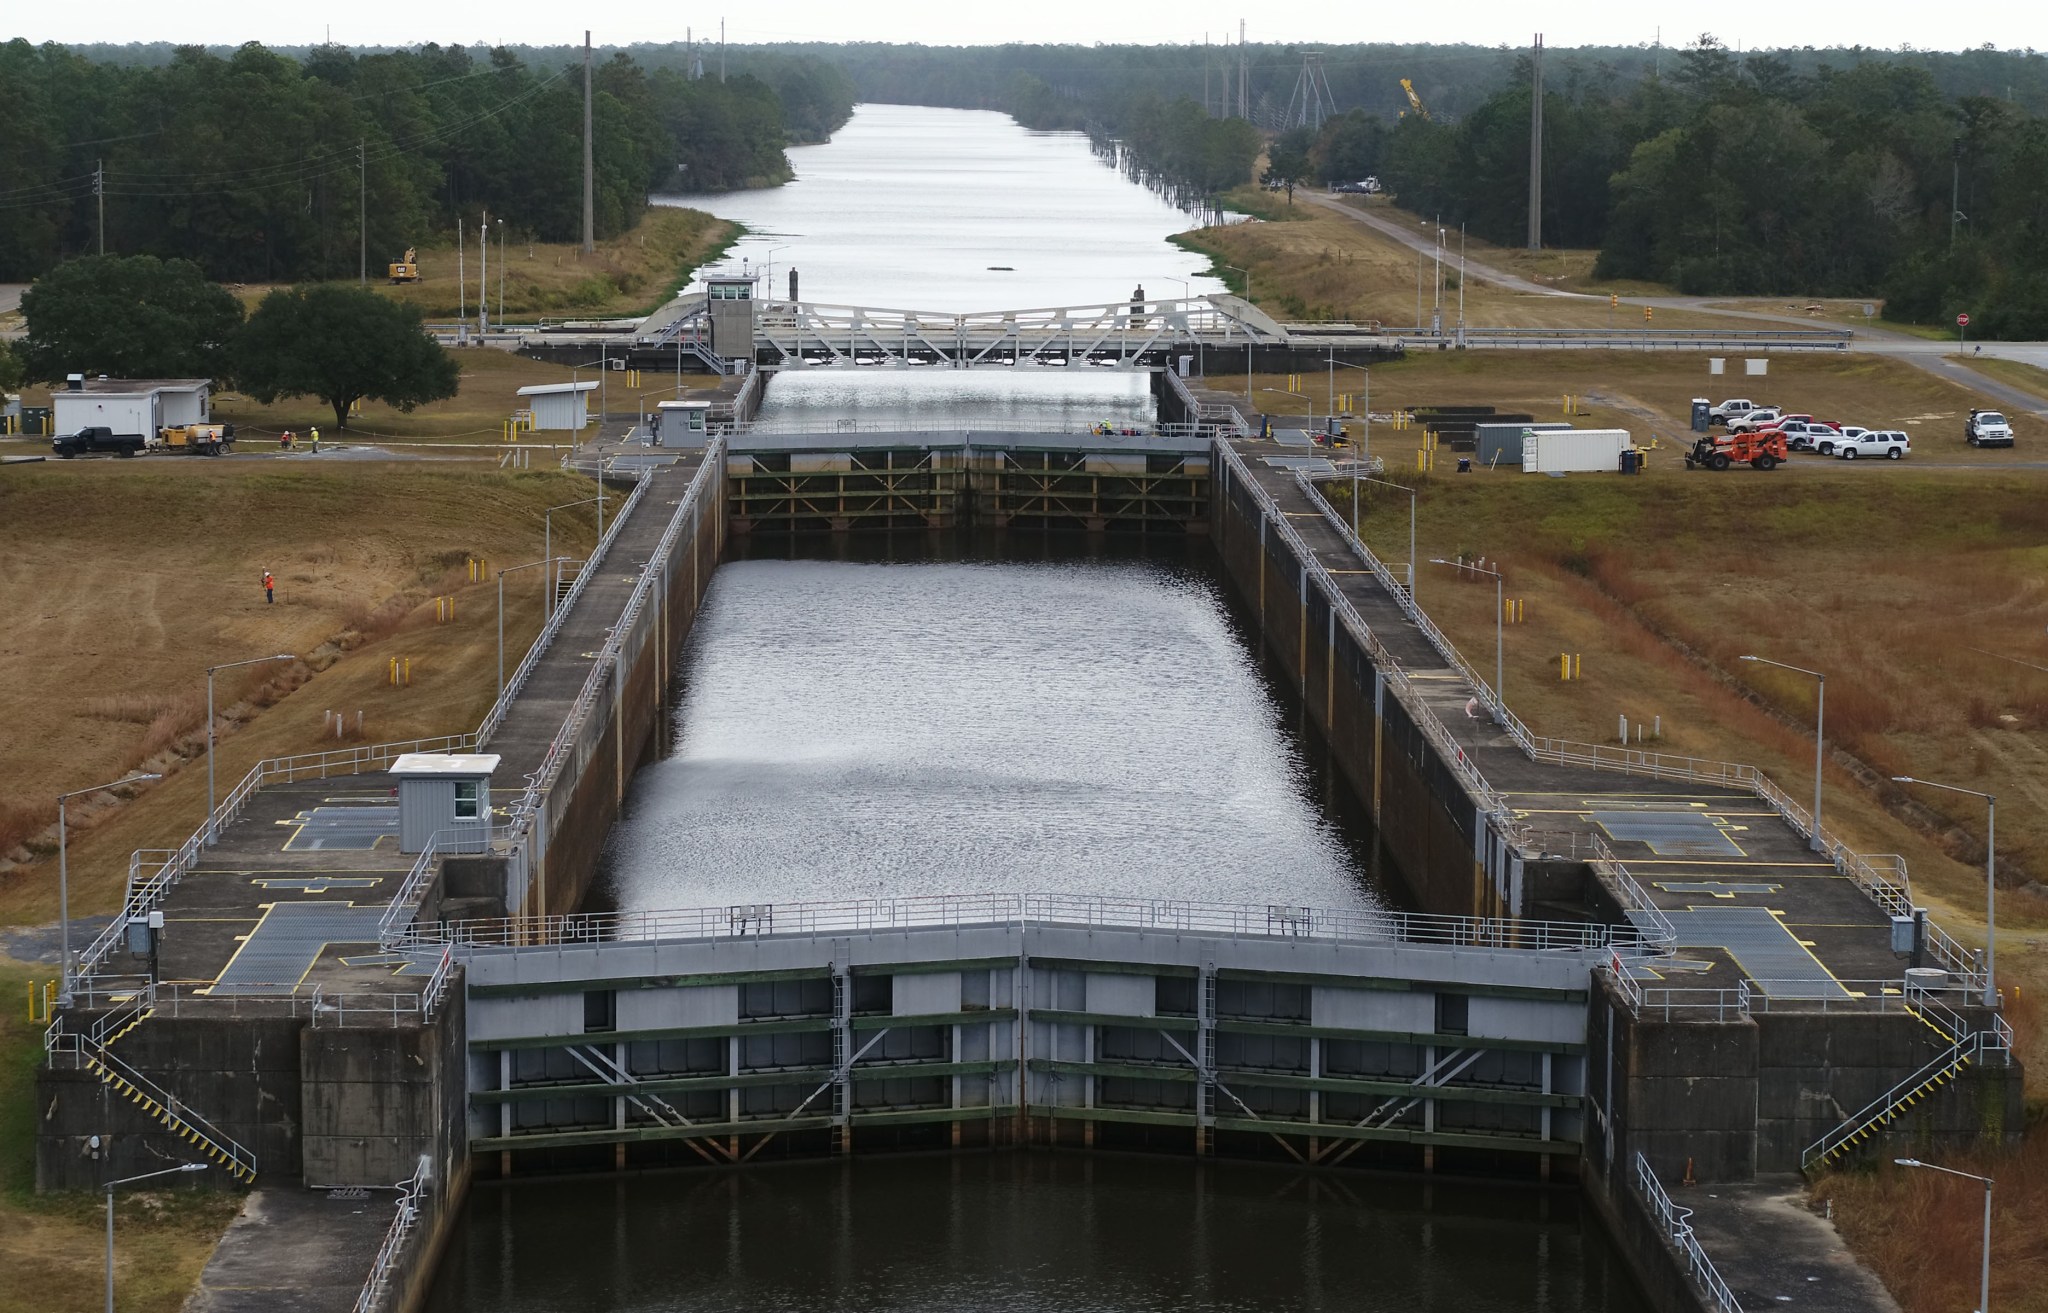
(867,717)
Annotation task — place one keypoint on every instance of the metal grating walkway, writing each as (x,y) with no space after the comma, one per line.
(285,944)
(1761,944)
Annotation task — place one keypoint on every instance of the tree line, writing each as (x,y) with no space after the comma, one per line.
(1788,172)
(256,164)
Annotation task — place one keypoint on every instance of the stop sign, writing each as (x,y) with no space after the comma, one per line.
(1962,321)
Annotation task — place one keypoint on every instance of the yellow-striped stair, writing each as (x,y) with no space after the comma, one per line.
(170,1120)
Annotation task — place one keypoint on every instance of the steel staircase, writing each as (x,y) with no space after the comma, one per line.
(92,1053)
(1965,1046)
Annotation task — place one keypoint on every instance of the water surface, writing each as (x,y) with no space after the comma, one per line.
(958,210)
(1087,722)
(1037,1232)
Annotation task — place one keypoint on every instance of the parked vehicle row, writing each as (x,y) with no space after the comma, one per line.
(1770,430)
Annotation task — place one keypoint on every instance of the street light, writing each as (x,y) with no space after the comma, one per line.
(1247,333)
(1820,716)
(1990,878)
(64,878)
(1499,622)
(1357,479)
(212,832)
(501,611)
(130,1180)
(768,262)
(548,534)
(1984,1277)
(501,275)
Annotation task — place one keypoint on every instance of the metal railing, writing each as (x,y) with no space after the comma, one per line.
(862,916)
(1676,1224)
(1882,877)
(385,1266)
(154,1100)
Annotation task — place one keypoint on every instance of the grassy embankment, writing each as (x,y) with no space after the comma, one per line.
(125,580)
(629,274)
(1918,590)
(1316,264)
(2012,373)
(53,1247)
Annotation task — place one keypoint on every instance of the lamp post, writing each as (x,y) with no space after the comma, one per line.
(1247,334)
(1365,414)
(1990,878)
(130,1180)
(501,611)
(1984,1273)
(1820,720)
(501,275)
(768,263)
(1356,479)
(548,535)
(1499,622)
(212,831)
(64,879)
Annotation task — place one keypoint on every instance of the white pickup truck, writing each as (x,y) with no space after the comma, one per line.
(1987,428)
(1756,421)
(1892,444)
(1728,410)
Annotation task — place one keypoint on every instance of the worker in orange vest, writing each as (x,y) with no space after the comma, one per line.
(269,588)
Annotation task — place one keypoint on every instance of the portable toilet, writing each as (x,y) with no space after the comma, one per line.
(444,799)
(682,423)
(730,298)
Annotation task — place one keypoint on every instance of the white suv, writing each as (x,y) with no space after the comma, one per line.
(1892,444)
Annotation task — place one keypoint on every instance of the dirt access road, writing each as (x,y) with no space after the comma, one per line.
(1934,357)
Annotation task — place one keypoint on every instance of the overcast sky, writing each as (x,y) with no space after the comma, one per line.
(1748,23)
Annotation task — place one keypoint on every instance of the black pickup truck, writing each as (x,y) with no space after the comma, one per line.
(86,440)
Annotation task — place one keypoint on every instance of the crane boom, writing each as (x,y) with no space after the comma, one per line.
(1414,99)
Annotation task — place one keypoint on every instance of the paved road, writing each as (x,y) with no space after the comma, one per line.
(1917,351)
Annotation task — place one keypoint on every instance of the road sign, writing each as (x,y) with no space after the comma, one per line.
(1962,321)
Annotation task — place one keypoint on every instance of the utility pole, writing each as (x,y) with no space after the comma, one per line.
(1536,146)
(1205,72)
(721,51)
(362,214)
(1954,195)
(99,189)
(483,276)
(589,183)
(1240,70)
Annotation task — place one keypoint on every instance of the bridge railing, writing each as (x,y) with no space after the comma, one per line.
(1172,916)
(1676,1225)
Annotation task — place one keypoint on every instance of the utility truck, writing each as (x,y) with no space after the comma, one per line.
(1987,428)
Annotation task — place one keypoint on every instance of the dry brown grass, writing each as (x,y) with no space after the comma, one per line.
(1323,265)
(113,629)
(628,274)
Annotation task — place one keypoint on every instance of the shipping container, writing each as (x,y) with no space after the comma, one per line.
(1573,451)
(1501,444)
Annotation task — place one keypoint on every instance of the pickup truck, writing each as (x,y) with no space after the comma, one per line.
(1987,428)
(96,439)
(1728,410)
(1756,421)
(1804,433)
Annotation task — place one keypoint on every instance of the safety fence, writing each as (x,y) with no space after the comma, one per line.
(384,1268)
(1881,877)
(1231,921)
(1676,1224)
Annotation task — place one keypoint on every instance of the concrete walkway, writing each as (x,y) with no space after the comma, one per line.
(1774,1252)
(294,1251)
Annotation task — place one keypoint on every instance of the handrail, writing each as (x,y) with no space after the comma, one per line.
(1227,920)
(1893,896)
(1677,1227)
(385,1264)
(168,1108)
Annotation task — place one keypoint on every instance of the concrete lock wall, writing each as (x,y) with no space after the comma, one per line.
(1430,826)
(599,760)
(240,1073)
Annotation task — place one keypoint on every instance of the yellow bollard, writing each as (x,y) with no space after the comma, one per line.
(1575,665)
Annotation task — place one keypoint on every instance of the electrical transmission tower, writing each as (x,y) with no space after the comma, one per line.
(1311,102)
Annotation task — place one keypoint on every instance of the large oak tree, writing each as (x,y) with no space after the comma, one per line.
(343,345)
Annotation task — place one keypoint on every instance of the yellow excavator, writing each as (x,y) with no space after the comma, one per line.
(408,269)
(1413,99)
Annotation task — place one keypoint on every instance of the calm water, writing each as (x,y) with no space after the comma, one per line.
(1025,1233)
(909,208)
(1069,722)
(922,713)
(1060,399)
